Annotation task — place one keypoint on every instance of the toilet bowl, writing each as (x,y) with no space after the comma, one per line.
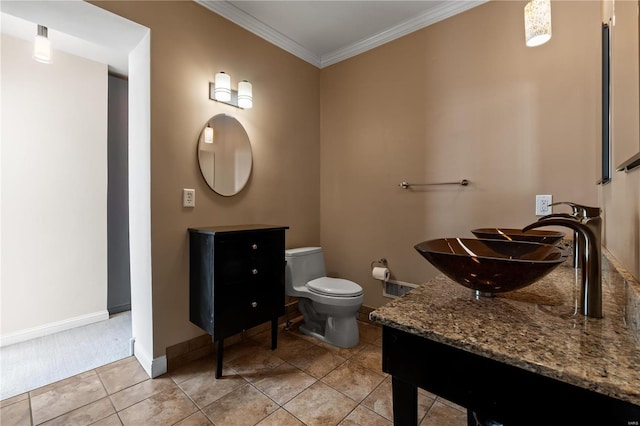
(329,305)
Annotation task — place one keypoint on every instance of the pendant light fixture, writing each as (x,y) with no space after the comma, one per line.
(537,22)
(42,46)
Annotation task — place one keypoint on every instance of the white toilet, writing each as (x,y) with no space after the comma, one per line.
(329,305)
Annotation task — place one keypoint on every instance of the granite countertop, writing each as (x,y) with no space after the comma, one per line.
(537,328)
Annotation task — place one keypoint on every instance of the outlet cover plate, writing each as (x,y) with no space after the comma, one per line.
(543,205)
(188,198)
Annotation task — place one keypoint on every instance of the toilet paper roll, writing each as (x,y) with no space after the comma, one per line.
(380,273)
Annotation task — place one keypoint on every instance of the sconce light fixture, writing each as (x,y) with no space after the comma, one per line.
(220,90)
(537,22)
(42,46)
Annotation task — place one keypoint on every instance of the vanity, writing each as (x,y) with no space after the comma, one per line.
(526,357)
(236,280)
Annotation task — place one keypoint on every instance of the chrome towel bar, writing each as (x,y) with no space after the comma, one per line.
(406,185)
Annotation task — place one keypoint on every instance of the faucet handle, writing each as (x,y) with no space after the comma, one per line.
(579,209)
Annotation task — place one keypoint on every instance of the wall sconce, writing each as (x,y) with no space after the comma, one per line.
(221,91)
(537,22)
(42,46)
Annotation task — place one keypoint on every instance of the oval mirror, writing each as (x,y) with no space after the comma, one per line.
(224,155)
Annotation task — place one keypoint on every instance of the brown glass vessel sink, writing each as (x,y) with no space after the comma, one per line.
(533,236)
(491,266)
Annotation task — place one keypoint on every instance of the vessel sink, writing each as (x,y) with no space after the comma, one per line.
(533,236)
(491,266)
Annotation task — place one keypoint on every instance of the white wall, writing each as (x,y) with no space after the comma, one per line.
(54,191)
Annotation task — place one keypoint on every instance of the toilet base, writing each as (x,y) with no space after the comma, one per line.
(340,332)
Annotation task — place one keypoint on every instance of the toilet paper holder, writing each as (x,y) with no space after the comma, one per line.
(381,262)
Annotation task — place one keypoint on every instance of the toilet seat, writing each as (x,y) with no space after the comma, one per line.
(336,287)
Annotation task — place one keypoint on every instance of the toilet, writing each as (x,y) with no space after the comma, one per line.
(329,305)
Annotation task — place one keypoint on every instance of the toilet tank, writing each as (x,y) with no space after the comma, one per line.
(303,265)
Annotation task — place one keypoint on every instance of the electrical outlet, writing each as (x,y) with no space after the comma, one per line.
(543,205)
(188,198)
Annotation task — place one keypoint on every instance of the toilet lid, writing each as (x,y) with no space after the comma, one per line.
(334,287)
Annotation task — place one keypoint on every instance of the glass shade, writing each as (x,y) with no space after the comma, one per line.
(245,95)
(537,22)
(222,90)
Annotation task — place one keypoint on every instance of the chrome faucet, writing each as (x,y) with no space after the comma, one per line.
(579,212)
(588,231)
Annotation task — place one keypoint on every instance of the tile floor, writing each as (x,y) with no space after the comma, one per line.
(302,382)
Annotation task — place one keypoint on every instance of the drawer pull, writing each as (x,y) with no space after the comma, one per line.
(254,246)
(254,304)
(254,271)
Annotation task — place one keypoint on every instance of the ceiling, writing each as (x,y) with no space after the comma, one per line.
(321,32)
(324,32)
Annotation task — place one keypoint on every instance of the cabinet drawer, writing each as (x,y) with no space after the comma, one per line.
(248,257)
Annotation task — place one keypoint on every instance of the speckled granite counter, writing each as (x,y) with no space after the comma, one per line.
(537,328)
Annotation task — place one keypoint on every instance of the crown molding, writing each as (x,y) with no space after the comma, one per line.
(248,22)
(437,14)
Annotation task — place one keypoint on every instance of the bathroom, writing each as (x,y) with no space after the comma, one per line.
(463,98)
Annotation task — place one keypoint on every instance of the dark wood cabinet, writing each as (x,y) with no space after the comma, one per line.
(236,280)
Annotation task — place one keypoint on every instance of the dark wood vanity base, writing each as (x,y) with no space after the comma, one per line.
(501,392)
(236,280)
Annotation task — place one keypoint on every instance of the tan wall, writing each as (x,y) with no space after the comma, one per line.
(464,98)
(189,44)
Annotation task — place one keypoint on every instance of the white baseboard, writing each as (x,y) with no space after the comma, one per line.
(53,327)
(154,367)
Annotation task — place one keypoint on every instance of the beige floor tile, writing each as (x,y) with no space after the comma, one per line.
(320,405)
(284,382)
(443,415)
(112,420)
(61,383)
(369,333)
(244,406)
(86,415)
(204,388)
(344,352)
(122,374)
(196,419)
(316,361)
(67,396)
(290,346)
(381,401)
(16,414)
(14,399)
(370,357)
(143,390)
(163,408)
(193,369)
(251,365)
(451,404)
(353,380)
(280,417)
(362,416)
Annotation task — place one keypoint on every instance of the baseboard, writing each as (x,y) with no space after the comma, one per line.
(120,308)
(154,367)
(54,327)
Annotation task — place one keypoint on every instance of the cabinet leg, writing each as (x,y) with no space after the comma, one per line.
(405,403)
(274,333)
(219,354)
